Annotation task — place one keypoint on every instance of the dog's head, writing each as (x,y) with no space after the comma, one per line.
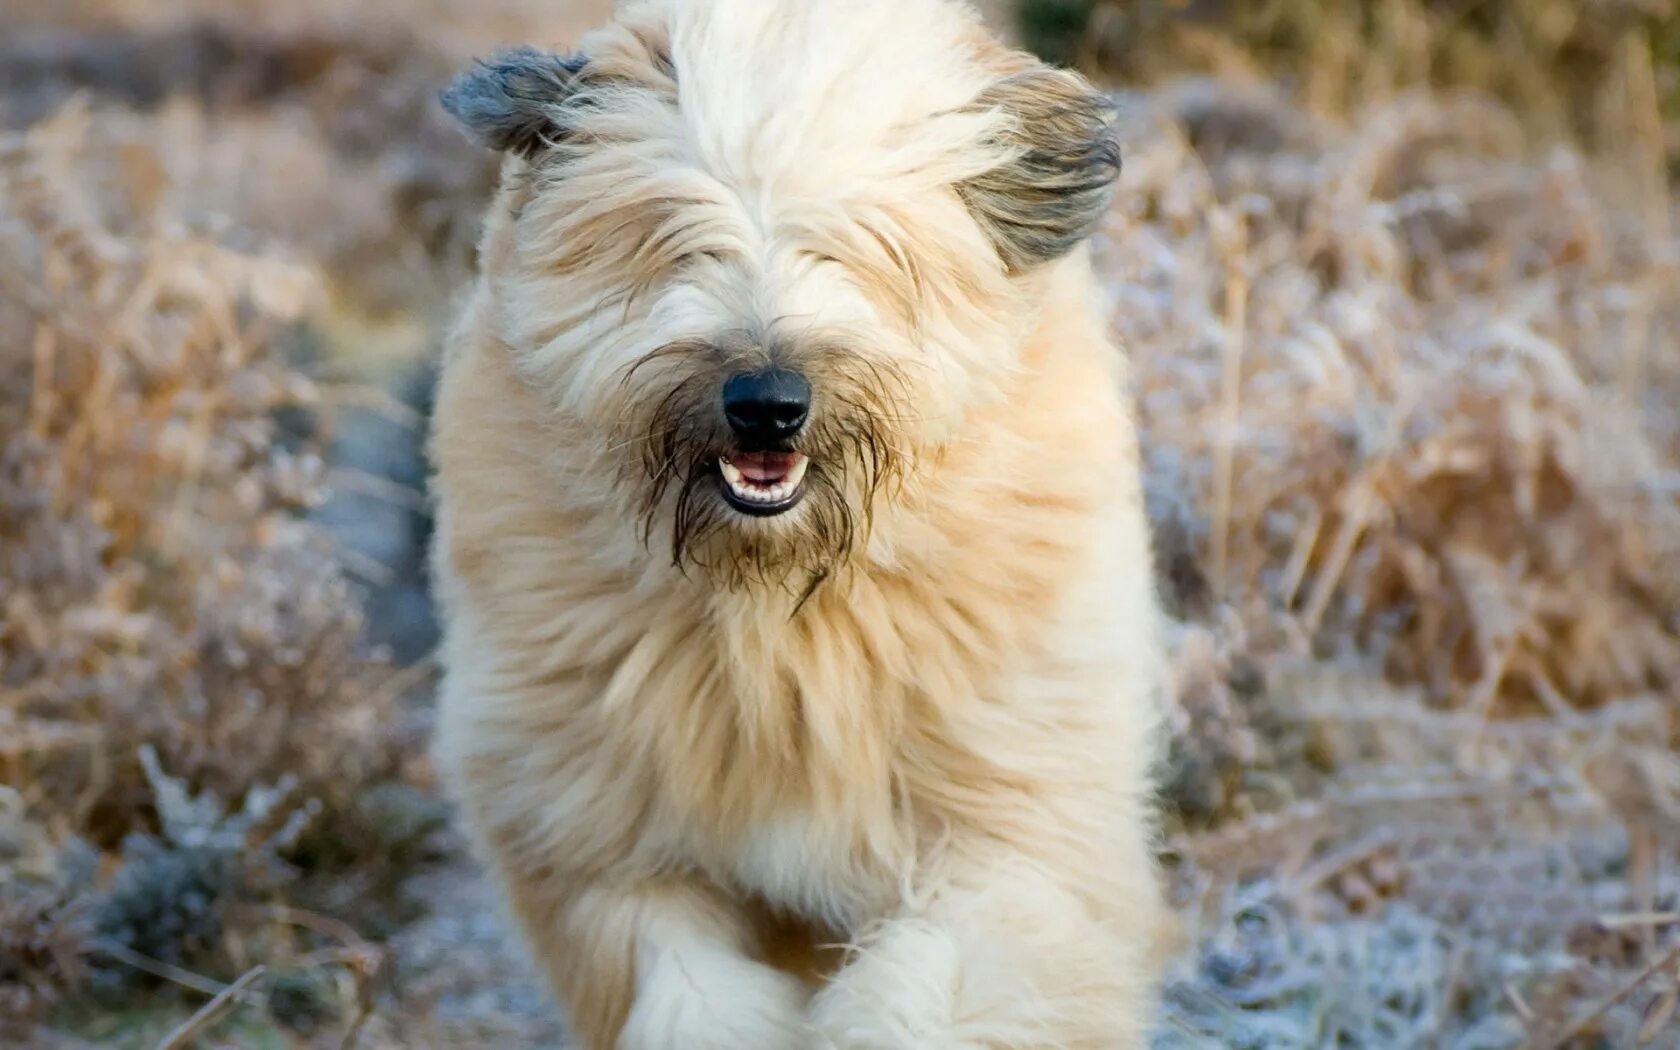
(764,259)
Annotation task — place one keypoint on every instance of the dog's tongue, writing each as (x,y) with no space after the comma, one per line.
(764,468)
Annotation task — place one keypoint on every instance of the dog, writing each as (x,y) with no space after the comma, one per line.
(801,652)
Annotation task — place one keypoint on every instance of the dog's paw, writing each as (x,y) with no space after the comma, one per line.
(713,1000)
(897,992)
(974,983)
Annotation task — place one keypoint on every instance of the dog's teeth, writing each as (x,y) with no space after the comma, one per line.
(752,491)
(797,474)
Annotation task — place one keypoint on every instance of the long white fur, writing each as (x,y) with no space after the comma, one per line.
(938,759)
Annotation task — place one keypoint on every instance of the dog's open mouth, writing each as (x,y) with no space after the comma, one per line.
(763,483)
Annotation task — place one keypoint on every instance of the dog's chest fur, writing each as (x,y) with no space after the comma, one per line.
(803,760)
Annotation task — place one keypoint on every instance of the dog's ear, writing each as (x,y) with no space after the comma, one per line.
(509,101)
(1064,158)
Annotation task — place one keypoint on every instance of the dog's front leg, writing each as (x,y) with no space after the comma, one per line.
(660,965)
(996,954)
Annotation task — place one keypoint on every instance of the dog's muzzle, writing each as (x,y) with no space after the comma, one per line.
(766,412)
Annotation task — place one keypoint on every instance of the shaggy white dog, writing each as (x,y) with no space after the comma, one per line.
(801,646)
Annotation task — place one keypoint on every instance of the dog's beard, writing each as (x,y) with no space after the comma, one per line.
(853,444)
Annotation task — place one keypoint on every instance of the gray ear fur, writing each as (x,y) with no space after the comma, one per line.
(1066,159)
(507,101)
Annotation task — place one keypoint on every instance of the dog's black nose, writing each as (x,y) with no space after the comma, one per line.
(766,408)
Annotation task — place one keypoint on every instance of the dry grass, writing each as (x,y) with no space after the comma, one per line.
(1412,414)
(1411,395)
(1445,378)
(1602,73)
(161,596)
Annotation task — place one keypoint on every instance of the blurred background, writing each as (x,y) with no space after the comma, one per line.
(1401,279)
